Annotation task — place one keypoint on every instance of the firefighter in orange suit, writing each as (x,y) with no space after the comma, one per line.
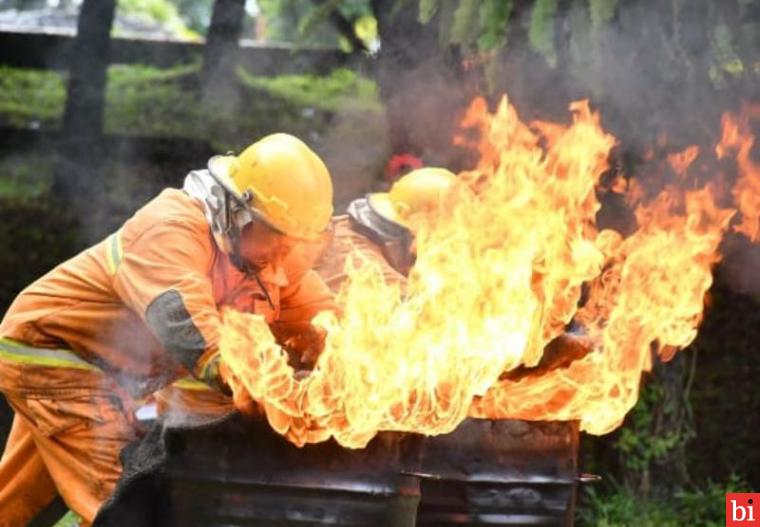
(381,226)
(377,226)
(141,309)
(290,324)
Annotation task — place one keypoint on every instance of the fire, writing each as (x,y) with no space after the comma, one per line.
(649,297)
(498,277)
(737,138)
(681,161)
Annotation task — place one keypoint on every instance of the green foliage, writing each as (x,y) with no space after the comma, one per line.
(162,12)
(196,14)
(367,31)
(355,9)
(444,17)
(601,11)
(727,414)
(314,24)
(541,32)
(484,25)
(427,11)
(36,236)
(155,10)
(459,25)
(22,177)
(333,92)
(466,24)
(308,22)
(494,21)
(144,100)
(316,17)
(148,101)
(641,443)
(708,504)
(615,506)
(726,64)
(340,112)
(283,18)
(31,97)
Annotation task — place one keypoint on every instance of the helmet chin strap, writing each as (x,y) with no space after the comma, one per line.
(233,234)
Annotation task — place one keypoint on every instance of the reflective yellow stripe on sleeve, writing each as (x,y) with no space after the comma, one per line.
(17,352)
(114,251)
(210,370)
(191,383)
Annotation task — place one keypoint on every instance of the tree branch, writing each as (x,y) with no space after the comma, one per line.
(343,26)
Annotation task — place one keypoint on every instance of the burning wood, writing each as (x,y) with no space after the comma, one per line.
(497,279)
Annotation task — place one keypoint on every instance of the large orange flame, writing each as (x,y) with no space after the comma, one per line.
(497,277)
(650,296)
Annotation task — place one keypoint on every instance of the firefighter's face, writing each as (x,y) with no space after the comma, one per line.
(261,245)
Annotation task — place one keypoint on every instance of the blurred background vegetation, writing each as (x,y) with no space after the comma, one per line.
(654,69)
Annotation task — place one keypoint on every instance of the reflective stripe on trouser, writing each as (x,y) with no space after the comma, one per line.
(68,431)
(17,352)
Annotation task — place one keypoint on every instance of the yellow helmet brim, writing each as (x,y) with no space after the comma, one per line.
(222,168)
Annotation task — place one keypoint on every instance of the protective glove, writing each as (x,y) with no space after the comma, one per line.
(242,399)
(303,342)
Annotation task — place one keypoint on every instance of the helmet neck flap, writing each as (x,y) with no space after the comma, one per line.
(226,215)
(394,240)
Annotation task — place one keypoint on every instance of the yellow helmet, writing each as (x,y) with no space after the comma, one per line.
(420,191)
(282,181)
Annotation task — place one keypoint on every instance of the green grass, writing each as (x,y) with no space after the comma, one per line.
(153,102)
(616,506)
(30,98)
(70,519)
(25,176)
(148,101)
(333,92)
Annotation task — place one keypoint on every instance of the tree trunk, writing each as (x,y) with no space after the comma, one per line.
(218,79)
(77,179)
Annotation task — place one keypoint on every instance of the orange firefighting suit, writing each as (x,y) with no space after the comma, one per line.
(120,320)
(189,396)
(347,243)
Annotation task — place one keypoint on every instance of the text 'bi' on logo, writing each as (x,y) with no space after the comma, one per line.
(743,509)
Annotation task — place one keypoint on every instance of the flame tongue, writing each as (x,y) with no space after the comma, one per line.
(650,295)
(737,138)
(496,278)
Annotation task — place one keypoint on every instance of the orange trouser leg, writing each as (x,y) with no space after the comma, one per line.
(76,427)
(78,441)
(25,485)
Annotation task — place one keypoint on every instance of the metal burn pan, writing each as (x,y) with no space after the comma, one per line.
(234,472)
(500,473)
(240,473)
